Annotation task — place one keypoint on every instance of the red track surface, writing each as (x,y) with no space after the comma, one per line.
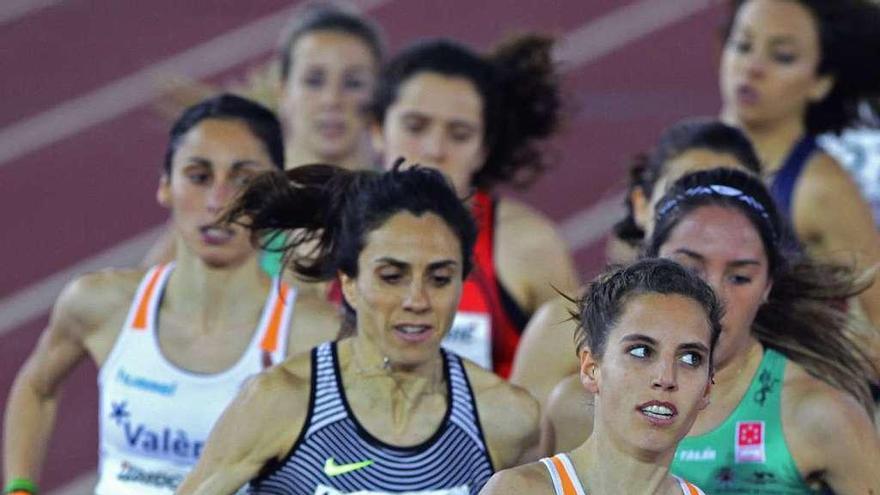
(67,201)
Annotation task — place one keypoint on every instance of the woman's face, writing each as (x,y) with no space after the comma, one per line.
(213,161)
(654,376)
(769,68)
(324,97)
(692,160)
(436,121)
(408,287)
(722,246)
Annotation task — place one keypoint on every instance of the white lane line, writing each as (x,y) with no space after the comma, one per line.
(623,26)
(84,484)
(33,301)
(581,229)
(110,101)
(12,10)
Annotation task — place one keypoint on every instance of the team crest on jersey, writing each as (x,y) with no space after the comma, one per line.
(750,442)
(458,490)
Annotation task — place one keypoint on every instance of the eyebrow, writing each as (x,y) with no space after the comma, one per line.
(700,257)
(238,164)
(688,346)
(402,264)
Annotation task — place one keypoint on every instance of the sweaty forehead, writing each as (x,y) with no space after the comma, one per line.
(778,18)
(670,319)
(416,240)
(441,97)
(716,231)
(336,48)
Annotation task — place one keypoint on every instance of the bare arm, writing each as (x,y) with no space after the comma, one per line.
(261,424)
(509,417)
(836,223)
(546,352)
(832,437)
(568,418)
(533,260)
(33,400)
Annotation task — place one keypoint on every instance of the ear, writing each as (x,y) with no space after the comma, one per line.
(705,399)
(766,294)
(824,84)
(589,371)
(639,201)
(349,289)
(377,137)
(163,193)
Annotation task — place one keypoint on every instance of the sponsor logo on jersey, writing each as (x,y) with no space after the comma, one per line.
(333,469)
(167,389)
(750,442)
(691,455)
(156,441)
(130,473)
(458,490)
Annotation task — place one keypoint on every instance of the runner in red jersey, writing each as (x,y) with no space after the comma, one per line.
(478,118)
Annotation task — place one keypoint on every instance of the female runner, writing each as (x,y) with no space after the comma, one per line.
(689,145)
(791,70)
(790,404)
(174,343)
(387,410)
(477,118)
(645,338)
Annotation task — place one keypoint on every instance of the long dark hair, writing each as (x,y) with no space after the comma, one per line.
(260,120)
(686,135)
(330,211)
(519,86)
(803,317)
(849,47)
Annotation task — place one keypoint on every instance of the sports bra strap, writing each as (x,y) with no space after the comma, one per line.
(565,480)
(688,488)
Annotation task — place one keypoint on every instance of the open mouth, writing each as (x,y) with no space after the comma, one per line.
(658,413)
(413,333)
(746,95)
(214,235)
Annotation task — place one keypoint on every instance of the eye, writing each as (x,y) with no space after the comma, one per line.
(441,280)
(640,351)
(740,280)
(414,125)
(354,83)
(784,58)
(740,45)
(314,79)
(198,178)
(242,178)
(692,359)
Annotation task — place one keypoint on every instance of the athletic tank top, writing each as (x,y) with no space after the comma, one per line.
(785,180)
(488,324)
(747,453)
(335,454)
(566,481)
(155,417)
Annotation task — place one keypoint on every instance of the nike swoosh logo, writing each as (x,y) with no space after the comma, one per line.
(333,469)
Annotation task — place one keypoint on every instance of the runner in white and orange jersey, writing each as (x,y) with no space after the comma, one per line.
(645,340)
(173,344)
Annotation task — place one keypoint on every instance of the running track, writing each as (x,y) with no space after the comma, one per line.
(80,146)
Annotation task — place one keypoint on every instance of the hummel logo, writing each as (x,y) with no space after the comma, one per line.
(333,469)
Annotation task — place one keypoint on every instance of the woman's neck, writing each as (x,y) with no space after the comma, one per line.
(360,158)
(212,298)
(773,141)
(605,466)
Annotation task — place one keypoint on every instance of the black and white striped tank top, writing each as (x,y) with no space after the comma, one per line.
(335,455)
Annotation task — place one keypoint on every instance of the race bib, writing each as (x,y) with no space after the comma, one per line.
(471,337)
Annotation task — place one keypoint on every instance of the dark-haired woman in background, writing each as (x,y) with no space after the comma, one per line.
(790,409)
(478,119)
(687,146)
(173,343)
(791,70)
(387,410)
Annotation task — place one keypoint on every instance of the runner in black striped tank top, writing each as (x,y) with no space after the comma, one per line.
(386,410)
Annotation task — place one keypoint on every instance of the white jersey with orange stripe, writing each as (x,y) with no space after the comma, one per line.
(566,481)
(154,416)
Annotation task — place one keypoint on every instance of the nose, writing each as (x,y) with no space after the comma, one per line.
(434,147)
(417,300)
(219,196)
(331,94)
(665,376)
(755,66)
